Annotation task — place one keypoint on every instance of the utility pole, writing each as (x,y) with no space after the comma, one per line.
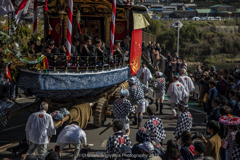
(177,25)
(178,41)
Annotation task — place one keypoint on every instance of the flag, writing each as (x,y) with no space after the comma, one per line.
(45,7)
(7,74)
(78,21)
(22,9)
(136,50)
(50,29)
(6,6)
(3,22)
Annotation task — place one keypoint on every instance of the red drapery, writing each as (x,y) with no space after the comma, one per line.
(136,50)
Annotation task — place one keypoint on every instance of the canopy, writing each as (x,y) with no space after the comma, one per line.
(139,21)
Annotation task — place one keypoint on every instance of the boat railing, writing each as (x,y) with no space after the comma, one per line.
(82,63)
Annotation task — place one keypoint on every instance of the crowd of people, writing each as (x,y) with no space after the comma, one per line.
(154,52)
(90,47)
(219,94)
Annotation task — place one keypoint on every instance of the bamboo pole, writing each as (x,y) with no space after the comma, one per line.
(17,111)
(5,146)
(13,128)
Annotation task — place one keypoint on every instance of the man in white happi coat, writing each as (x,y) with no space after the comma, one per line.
(74,135)
(176,92)
(39,130)
(186,81)
(144,74)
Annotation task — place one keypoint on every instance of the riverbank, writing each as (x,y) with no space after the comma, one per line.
(213,59)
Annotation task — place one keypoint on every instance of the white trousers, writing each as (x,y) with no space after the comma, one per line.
(41,149)
(77,148)
(141,108)
(174,113)
(173,109)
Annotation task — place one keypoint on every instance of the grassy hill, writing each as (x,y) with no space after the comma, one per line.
(199,40)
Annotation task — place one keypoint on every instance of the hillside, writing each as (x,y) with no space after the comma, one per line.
(199,40)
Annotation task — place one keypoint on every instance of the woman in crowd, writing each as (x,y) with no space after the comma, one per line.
(214,143)
(187,149)
(172,152)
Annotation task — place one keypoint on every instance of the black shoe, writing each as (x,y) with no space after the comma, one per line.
(134,123)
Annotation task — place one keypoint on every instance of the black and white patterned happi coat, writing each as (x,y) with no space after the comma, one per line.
(159,85)
(136,94)
(236,153)
(121,108)
(116,141)
(155,124)
(184,123)
(144,87)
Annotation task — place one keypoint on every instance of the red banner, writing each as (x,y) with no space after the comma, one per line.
(120,30)
(55,24)
(136,50)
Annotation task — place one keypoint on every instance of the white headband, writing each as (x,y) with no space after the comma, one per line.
(183,105)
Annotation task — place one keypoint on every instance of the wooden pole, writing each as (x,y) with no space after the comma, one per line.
(57,124)
(44,14)
(17,111)
(8,24)
(3,148)
(13,127)
(60,31)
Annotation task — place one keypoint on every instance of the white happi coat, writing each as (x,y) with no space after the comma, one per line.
(144,74)
(177,92)
(72,134)
(39,127)
(187,83)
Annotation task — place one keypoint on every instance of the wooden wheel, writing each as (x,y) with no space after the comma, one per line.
(117,94)
(99,114)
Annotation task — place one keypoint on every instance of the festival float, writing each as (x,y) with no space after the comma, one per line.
(79,83)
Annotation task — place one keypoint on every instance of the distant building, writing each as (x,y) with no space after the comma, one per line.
(218,10)
(150,1)
(185,14)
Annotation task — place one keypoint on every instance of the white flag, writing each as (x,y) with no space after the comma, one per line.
(50,27)
(6,6)
(3,22)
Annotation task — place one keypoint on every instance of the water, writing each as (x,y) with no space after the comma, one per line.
(218,66)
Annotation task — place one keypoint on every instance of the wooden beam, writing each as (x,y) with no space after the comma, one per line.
(3,148)
(20,110)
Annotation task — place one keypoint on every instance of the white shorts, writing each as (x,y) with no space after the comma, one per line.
(140,108)
(159,96)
